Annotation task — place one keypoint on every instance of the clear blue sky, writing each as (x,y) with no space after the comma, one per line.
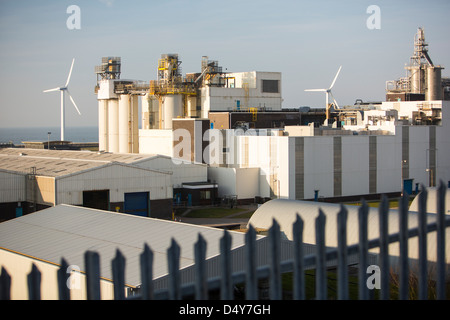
(305,40)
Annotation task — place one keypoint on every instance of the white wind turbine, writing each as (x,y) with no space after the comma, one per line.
(328,91)
(63,90)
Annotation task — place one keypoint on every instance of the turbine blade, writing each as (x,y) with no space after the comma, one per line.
(70,73)
(50,90)
(73,102)
(332,84)
(334,100)
(317,90)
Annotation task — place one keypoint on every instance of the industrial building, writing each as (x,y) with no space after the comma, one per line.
(33,179)
(234,123)
(43,238)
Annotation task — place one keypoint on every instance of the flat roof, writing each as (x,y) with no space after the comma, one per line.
(69,231)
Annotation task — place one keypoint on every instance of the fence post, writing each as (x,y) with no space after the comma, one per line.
(226,287)
(441,241)
(201,288)
(63,278)
(173,256)
(251,280)
(118,270)
(34,283)
(422,225)
(321,276)
(146,260)
(5,285)
(92,264)
(342,254)
(363,247)
(383,219)
(299,273)
(275,259)
(403,243)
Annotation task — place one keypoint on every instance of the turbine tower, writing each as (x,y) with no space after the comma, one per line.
(63,91)
(328,93)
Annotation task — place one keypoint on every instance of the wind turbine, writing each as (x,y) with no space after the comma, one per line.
(63,91)
(328,92)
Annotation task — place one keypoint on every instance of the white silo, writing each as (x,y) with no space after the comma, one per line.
(128,123)
(172,107)
(103,125)
(434,83)
(191,106)
(113,125)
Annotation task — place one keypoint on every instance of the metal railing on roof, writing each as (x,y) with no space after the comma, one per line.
(272,271)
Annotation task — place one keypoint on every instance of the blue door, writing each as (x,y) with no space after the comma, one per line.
(407,186)
(137,203)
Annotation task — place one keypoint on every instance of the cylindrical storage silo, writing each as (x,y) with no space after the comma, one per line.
(434,84)
(191,106)
(417,79)
(172,108)
(134,124)
(103,125)
(113,125)
(124,123)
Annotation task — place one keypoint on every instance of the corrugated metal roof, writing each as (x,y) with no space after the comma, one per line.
(56,163)
(69,231)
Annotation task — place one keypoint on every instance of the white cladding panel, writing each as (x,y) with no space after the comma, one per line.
(12,187)
(116,178)
(156,142)
(355,165)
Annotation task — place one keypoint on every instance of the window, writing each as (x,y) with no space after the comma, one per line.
(205,195)
(270,86)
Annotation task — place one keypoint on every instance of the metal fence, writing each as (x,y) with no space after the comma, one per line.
(202,286)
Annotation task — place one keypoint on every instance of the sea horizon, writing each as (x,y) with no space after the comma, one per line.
(17,135)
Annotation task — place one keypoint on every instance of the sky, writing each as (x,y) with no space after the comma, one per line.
(307,41)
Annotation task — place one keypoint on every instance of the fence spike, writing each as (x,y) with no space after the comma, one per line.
(34,283)
(422,225)
(321,276)
(441,214)
(226,291)
(5,285)
(342,254)
(146,260)
(383,217)
(299,273)
(63,280)
(275,260)
(403,243)
(173,256)
(118,271)
(92,266)
(201,288)
(251,282)
(363,247)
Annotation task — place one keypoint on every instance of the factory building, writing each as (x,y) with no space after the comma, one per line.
(45,237)
(33,179)
(234,123)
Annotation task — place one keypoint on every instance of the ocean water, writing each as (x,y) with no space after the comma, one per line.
(74,134)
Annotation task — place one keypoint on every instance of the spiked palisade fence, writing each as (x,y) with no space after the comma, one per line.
(201,288)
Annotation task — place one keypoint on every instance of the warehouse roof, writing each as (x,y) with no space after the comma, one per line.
(69,231)
(57,163)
